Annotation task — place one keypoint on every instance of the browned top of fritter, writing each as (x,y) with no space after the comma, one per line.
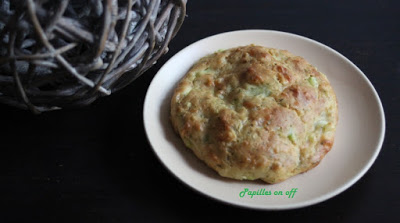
(255,113)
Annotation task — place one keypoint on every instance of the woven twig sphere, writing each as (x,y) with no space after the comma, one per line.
(64,53)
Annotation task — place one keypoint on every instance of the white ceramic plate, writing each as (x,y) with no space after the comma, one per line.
(359,135)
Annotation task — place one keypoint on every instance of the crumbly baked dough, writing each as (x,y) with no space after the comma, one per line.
(255,113)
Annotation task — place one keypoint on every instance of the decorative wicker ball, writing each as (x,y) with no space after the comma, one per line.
(63,53)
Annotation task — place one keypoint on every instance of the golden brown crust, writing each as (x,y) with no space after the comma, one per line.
(255,113)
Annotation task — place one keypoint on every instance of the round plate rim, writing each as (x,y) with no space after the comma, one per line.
(319,199)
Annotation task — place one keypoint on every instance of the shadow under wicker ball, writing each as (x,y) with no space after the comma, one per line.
(58,54)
